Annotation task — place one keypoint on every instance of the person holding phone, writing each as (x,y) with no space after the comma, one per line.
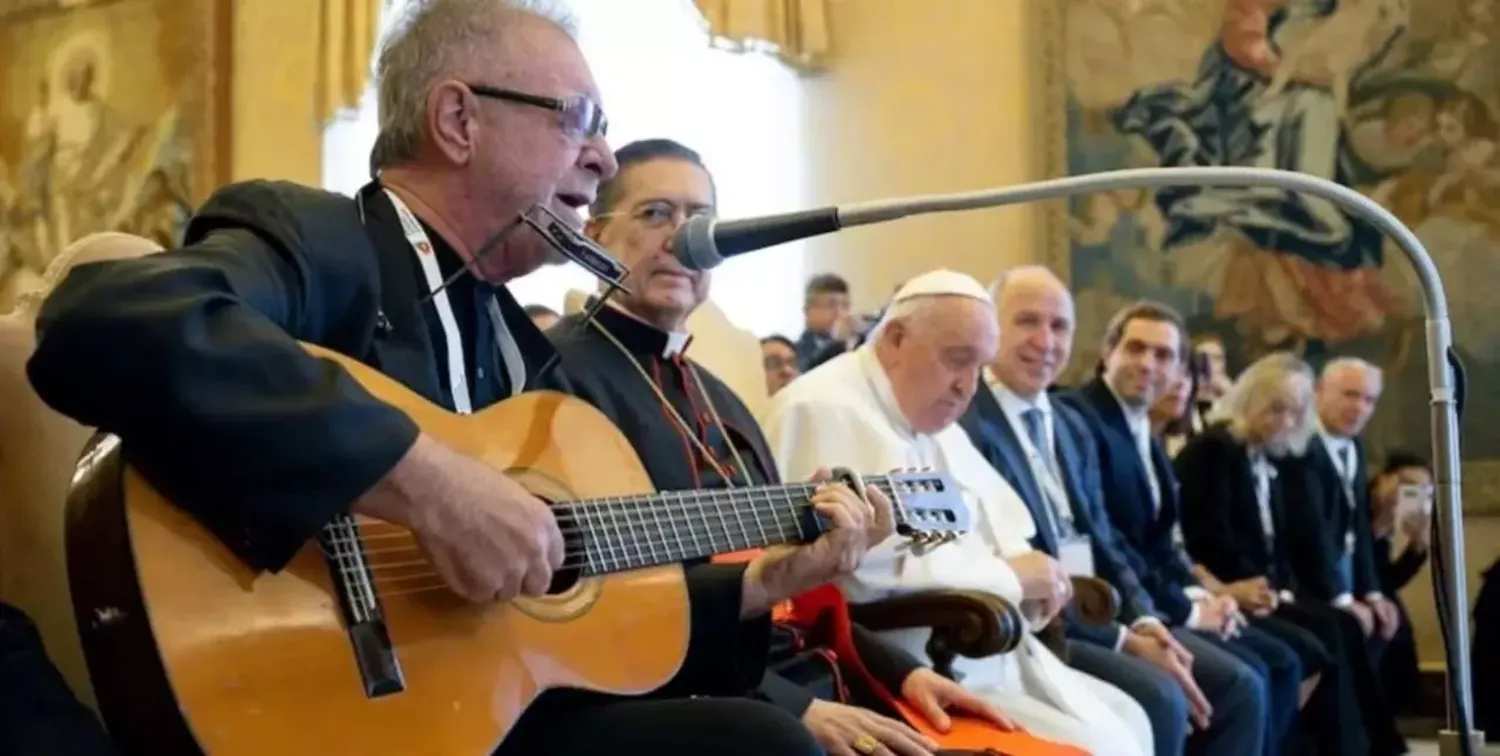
(1401,502)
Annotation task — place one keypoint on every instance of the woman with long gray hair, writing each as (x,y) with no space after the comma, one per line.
(1276,560)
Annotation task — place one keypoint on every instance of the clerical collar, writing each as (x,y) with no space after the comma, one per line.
(639,336)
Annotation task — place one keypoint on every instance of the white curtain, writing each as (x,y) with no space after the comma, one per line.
(660,78)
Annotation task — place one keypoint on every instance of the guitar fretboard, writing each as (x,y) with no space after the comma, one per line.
(632,532)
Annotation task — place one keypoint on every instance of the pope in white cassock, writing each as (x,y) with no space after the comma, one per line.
(893,403)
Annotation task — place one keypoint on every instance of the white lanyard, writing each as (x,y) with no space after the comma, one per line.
(458,374)
(1343,461)
(1044,470)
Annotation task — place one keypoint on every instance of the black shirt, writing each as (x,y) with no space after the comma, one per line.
(489,380)
(599,372)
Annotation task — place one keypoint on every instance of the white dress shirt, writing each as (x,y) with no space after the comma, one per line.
(1263,473)
(1043,460)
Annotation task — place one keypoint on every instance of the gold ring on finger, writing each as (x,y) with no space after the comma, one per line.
(866,743)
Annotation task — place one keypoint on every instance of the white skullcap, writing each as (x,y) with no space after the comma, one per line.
(943,283)
(936,283)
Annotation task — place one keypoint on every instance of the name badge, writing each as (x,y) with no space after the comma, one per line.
(1077,556)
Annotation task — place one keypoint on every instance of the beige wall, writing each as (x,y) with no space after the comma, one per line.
(1482,546)
(925,97)
(275,132)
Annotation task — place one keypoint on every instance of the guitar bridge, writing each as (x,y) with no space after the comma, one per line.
(370,641)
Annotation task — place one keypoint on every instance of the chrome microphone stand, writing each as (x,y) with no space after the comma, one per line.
(1453,595)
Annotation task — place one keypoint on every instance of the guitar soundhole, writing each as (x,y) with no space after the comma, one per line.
(574,549)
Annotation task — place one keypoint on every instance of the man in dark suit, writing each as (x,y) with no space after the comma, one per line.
(1334,482)
(489,113)
(1044,450)
(1144,349)
(1347,392)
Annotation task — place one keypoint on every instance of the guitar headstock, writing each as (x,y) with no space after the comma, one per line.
(928,506)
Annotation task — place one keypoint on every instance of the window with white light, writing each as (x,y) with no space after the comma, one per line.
(660,78)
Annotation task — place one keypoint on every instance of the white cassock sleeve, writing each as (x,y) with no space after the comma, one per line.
(805,436)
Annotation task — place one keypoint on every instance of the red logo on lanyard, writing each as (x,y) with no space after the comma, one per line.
(423,248)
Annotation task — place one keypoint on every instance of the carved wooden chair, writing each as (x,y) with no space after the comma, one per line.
(975,624)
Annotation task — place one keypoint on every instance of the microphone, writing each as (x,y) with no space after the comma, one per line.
(703,243)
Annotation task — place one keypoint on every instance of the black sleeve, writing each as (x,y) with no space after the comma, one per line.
(1366,579)
(1405,567)
(784,694)
(726,656)
(189,356)
(1314,547)
(888,664)
(1206,494)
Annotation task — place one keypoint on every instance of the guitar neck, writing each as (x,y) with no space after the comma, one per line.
(648,530)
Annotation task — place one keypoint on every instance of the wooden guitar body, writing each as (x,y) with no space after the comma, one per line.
(190,651)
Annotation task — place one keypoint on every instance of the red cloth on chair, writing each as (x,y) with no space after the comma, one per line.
(825,608)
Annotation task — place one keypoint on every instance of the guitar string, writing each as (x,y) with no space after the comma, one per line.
(612,556)
(615,513)
(619,558)
(646,544)
(619,553)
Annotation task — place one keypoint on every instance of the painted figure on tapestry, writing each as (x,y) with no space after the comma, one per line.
(1399,103)
(84,148)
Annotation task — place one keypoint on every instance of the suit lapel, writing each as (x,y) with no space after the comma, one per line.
(1114,418)
(1326,473)
(1168,482)
(402,345)
(1014,466)
(1066,449)
(1361,473)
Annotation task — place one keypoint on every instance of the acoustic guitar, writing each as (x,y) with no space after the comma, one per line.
(358,646)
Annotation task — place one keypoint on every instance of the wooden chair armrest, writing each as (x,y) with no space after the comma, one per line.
(1096,602)
(967,623)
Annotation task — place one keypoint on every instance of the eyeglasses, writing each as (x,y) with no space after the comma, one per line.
(581,116)
(658,215)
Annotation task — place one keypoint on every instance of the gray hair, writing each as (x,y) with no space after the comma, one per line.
(997,286)
(431,40)
(1352,363)
(1254,390)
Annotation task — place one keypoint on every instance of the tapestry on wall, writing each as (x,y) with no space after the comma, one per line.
(112,117)
(1401,105)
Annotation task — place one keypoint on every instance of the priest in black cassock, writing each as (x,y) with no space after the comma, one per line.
(690,429)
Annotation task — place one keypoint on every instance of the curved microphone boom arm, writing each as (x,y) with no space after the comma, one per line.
(699,246)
